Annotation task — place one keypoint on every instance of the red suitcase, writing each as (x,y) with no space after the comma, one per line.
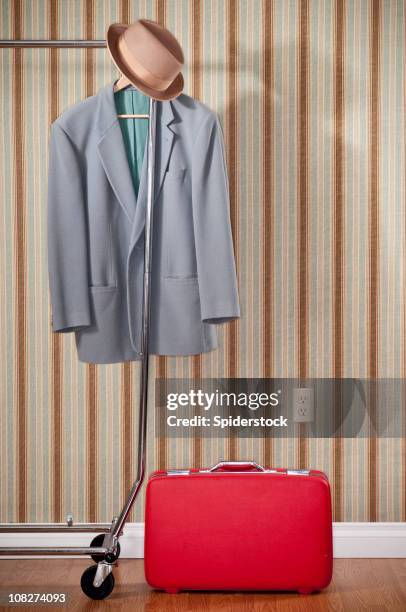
(238,526)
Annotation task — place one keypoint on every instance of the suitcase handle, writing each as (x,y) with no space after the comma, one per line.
(236,465)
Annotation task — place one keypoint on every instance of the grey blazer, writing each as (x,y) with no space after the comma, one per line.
(96,237)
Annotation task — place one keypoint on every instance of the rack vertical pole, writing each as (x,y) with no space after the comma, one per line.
(143,403)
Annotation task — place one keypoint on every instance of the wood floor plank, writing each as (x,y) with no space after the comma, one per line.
(358,584)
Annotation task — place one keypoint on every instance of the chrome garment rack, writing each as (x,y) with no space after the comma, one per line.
(56,44)
(97,581)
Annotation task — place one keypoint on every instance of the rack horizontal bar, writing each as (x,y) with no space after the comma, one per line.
(58,550)
(50,527)
(50,44)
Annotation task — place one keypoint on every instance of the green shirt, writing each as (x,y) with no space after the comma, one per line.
(134,131)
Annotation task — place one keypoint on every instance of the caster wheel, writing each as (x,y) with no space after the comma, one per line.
(98,541)
(93,592)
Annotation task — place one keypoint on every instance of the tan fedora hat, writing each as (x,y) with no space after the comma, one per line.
(149,56)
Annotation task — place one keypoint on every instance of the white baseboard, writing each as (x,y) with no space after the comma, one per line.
(369,540)
(351,540)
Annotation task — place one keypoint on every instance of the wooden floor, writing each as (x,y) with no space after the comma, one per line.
(358,584)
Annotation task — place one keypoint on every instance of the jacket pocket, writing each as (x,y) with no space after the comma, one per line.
(177,173)
(190,278)
(98,288)
(180,262)
(101,253)
(178,234)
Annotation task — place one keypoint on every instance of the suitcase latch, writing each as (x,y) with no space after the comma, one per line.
(177,472)
(298,472)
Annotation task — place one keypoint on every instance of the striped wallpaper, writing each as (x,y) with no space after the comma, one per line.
(312,98)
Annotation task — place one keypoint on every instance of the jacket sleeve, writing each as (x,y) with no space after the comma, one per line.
(212,227)
(67,236)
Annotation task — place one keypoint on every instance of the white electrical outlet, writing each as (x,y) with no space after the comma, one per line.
(303,405)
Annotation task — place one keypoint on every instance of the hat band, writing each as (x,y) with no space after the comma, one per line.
(144,75)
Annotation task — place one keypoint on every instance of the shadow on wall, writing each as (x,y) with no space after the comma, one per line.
(329,127)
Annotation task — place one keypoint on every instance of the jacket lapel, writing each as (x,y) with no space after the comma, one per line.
(164,141)
(114,159)
(112,152)
(164,135)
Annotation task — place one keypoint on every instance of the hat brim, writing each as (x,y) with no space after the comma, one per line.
(175,88)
